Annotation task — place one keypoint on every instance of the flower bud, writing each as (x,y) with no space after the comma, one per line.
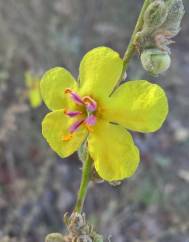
(83,152)
(98,238)
(175,14)
(155,61)
(54,237)
(155,14)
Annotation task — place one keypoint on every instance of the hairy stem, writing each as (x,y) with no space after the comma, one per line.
(86,172)
(131,47)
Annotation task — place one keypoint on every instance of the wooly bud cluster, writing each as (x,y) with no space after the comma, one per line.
(161,22)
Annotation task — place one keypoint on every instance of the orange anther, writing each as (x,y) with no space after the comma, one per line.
(67,90)
(67,137)
(88,99)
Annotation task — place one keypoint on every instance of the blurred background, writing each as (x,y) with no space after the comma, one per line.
(36,186)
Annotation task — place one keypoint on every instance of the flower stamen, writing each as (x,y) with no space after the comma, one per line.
(75,126)
(75,97)
(72,129)
(89,122)
(90,106)
(72,114)
(90,103)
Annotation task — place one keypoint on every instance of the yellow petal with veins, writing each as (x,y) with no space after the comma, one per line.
(53,85)
(114,153)
(138,105)
(99,72)
(55,128)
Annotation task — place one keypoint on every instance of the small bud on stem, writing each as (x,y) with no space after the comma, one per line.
(155,61)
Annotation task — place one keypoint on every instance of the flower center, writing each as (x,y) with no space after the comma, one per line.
(88,107)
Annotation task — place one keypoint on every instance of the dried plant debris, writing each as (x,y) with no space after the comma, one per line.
(78,230)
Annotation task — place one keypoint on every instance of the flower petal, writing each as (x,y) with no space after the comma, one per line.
(53,84)
(35,97)
(55,127)
(100,69)
(114,153)
(138,105)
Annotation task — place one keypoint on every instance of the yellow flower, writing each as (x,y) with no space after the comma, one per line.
(33,90)
(85,110)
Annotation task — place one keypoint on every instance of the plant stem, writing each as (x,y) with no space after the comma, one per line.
(86,172)
(131,47)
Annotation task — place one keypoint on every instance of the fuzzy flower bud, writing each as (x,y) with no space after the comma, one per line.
(155,61)
(155,14)
(54,237)
(175,14)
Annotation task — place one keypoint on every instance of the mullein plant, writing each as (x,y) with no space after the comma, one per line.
(94,113)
